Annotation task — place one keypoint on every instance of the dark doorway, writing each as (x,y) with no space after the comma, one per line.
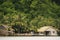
(47,33)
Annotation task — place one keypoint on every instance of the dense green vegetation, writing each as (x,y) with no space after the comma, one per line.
(25,15)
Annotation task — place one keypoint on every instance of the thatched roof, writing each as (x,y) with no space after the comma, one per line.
(42,29)
(4,27)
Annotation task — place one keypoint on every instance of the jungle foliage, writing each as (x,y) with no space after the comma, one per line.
(25,15)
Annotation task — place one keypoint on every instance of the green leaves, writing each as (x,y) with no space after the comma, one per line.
(29,14)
